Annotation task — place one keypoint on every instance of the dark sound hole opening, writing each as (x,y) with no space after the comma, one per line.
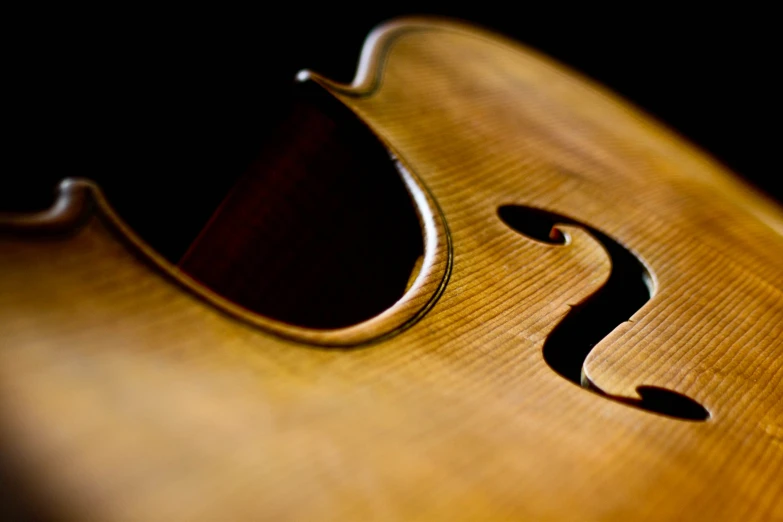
(320,231)
(315,227)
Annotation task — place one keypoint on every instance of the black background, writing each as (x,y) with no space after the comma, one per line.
(163,107)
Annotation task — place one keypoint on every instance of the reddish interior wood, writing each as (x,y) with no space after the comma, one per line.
(319,231)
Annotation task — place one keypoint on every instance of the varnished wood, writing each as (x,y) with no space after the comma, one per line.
(129,391)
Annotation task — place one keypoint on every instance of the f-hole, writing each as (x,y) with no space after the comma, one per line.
(626,291)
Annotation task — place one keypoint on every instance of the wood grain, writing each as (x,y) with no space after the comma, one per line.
(129,392)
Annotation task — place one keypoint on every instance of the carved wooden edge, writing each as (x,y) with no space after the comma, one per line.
(378,44)
(375,49)
(80,200)
(71,208)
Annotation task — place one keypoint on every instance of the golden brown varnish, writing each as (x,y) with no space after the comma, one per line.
(129,392)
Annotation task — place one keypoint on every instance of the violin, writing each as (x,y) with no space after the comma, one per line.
(469,285)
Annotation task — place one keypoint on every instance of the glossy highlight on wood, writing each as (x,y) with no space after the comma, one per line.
(130,391)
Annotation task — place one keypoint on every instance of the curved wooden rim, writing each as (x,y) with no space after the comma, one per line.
(77,197)
(70,209)
(378,44)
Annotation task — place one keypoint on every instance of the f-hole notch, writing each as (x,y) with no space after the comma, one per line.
(626,291)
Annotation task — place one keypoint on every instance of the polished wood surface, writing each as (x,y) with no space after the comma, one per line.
(129,391)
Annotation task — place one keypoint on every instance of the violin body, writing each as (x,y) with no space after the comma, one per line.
(131,390)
